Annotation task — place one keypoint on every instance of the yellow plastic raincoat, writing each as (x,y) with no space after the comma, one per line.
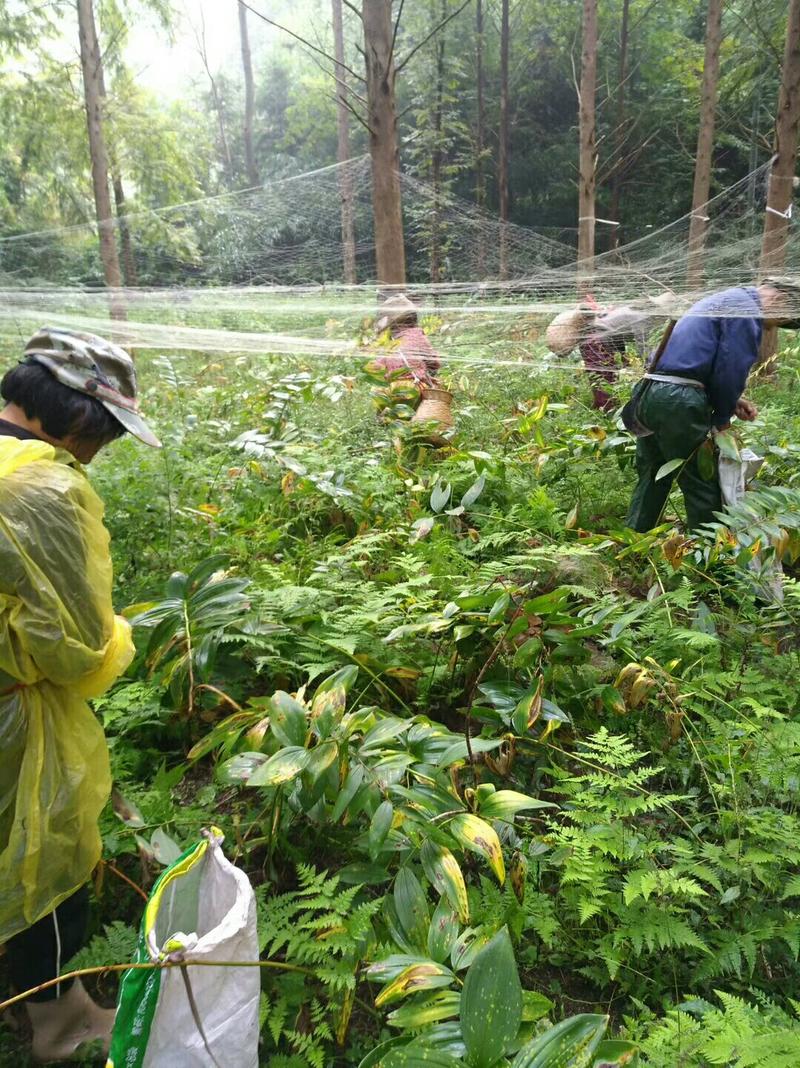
(60,643)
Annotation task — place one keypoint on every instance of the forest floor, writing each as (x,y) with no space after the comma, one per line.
(640,684)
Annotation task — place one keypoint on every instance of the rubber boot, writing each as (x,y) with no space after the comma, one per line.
(62,1025)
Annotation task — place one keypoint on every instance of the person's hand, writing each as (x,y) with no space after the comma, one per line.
(746,410)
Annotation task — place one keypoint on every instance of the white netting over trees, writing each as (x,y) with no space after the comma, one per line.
(260,270)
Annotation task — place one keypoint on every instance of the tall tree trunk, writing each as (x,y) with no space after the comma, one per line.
(619,133)
(480,135)
(249,98)
(588,147)
(781,181)
(128,260)
(504,147)
(91,65)
(705,144)
(343,148)
(437,154)
(387,208)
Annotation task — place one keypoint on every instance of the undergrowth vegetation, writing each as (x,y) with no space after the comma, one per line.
(512,783)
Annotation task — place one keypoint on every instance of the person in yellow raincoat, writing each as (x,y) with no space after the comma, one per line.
(60,643)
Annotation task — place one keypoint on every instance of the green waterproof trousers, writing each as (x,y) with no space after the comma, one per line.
(680,418)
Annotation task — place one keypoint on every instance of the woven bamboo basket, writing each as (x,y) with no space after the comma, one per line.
(435,407)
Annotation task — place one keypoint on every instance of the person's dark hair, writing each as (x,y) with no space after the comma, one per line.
(63,412)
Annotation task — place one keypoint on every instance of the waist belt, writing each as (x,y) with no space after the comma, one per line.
(676,381)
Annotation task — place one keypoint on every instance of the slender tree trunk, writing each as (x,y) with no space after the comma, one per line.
(781,181)
(437,155)
(480,134)
(619,133)
(128,260)
(249,98)
(705,144)
(504,148)
(588,147)
(343,148)
(382,120)
(91,65)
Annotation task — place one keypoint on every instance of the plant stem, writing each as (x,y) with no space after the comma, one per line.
(151,966)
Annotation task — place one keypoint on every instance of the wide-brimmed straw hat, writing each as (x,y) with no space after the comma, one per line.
(395,309)
(566,331)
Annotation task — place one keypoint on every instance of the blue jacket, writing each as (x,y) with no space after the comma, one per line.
(717,342)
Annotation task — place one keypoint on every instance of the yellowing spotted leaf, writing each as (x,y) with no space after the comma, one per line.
(479,836)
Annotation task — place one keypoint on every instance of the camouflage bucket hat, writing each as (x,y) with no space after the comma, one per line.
(96,367)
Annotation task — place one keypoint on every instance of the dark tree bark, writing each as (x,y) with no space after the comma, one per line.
(438,153)
(705,144)
(480,132)
(92,68)
(588,147)
(504,147)
(384,154)
(343,148)
(249,98)
(781,181)
(619,132)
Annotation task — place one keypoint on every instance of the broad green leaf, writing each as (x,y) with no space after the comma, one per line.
(341,679)
(241,768)
(474,491)
(499,608)
(669,467)
(442,930)
(616,1053)
(529,708)
(726,443)
(444,873)
(570,1044)
(505,804)
(468,945)
(348,791)
(491,1003)
(383,731)
(479,836)
(419,1055)
(441,1006)
(320,759)
(286,764)
(411,906)
(362,873)
(535,1006)
(288,719)
(440,496)
(376,1057)
(458,750)
(383,971)
(427,976)
(127,811)
(379,827)
(706,462)
(420,530)
(165,849)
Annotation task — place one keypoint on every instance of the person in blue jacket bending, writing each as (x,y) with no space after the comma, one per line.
(697,388)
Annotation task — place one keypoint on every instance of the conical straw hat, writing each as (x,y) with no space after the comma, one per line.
(565,331)
(394,309)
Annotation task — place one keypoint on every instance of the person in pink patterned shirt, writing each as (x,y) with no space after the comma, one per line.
(410,353)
